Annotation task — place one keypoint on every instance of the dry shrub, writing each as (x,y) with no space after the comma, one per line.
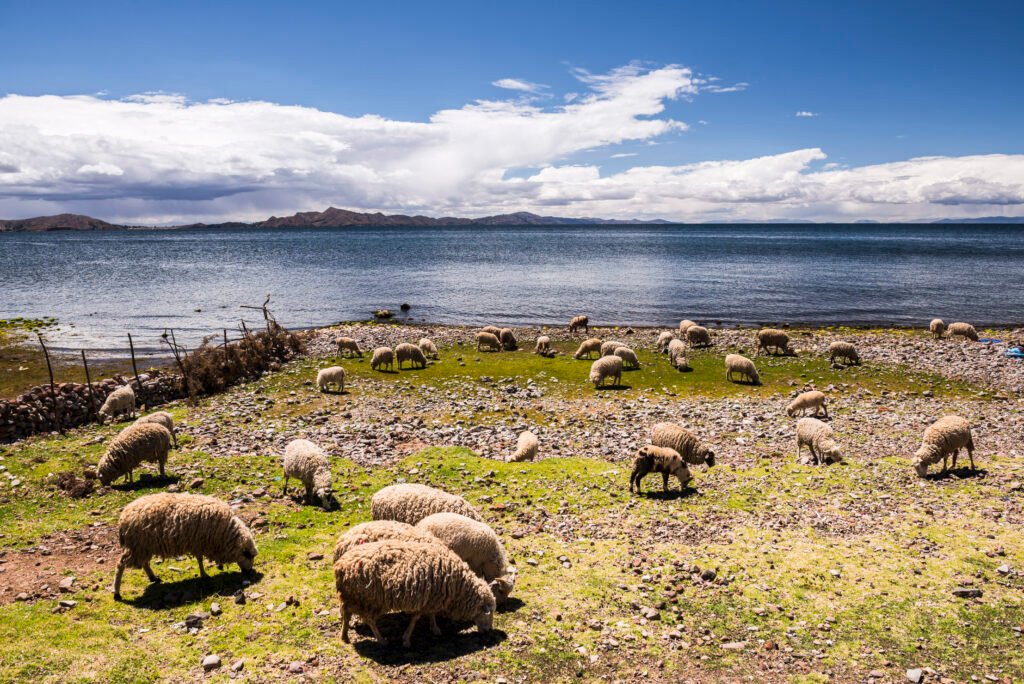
(214,367)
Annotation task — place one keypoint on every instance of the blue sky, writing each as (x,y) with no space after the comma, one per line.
(886,82)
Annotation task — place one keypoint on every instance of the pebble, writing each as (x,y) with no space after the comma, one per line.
(295,667)
(211,662)
(215,608)
(967,592)
(915,675)
(67,584)
(237,665)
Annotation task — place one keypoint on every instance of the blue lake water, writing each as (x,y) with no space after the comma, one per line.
(105,284)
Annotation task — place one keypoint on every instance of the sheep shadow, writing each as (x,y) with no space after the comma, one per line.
(511,605)
(746,383)
(387,372)
(670,495)
(961,473)
(412,368)
(426,648)
(163,595)
(146,481)
(339,393)
(613,388)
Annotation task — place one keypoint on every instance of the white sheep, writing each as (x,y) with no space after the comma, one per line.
(526,447)
(772,338)
(663,341)
(543,345)
(963,330)
(161,418)
(819,440)
(411,354)
(120,401)
(347,344)
(685,325)
(508,339)
(491,330)
(588,347)
(677,354)
(808,400)
(685,443)
(662,460)
(477,544)
(628,356)
(136,443)
(382,357)
(937,327)
(334,375)
(579,322)
(604,368)
(307,462)
(486,340)
(737,364)
(428,348)
(410,503)
(608,348)
(944,438)
(845,351)
(698,336)
(379,530)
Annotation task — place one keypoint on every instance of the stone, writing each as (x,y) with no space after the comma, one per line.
(237,665)
(67,603)
(295,667)
(967,592)
(708,575)
(67,584)
(211,662)
(196,483)
(215,608)
(314,556)
(734,646)
(915,675)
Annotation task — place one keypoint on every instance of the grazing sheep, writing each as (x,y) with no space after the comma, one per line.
(491,329)
(963,329)
(335,375)
(808,400)
(686,444)
(477,544)
(410,503)
(663,341)
(604,368)
(543,345)
(382,356)
(428,348)
(133,445)
(410,353)
(937,327)
(664,460)
(944,438)
(698,336)
(486,340)
(628,356)
(347,344)
(819,440)
(398,576)
(379,530)
(161,418)
(685,325)
(508,339)
(169,525)
(588,347)
(578,323)
(677,354)
(121,400)
(526,447)
(772,338)
(845,351)
(608,348)
(741,365)
(308,463)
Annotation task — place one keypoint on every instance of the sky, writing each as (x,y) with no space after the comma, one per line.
(159,113)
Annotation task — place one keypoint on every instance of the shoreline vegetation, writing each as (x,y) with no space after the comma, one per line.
(762,567)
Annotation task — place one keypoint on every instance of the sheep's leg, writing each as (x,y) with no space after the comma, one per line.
(407,636)
(970,454)
(376,632)
(284,492)
(344,622)
(824,407)
(434,629)
(163,462)
(117,577)
(798,451)
(944,459)
(202,568)
(664,482)
(149,573)
(955,455)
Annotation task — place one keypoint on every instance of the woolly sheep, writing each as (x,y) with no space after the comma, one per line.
(608,348)
(121,400)
(347,344)
(486,340)
(526,447)
(677,354)
(772,338)
(579,322)
(161,418)
(698,336)
(410,503)
(169,525)
(604,368)
(963,329)
(508,339)
(845,351)
(410,353)
(379,530)
(588,347)
(628,357)
(382,356)
(335,375)
(477,544)
(663,341)
(819,440)
(543,345)
(398,576)
(807,400)
(307,462)
(736,364)
(686,444)
(937,327)
(944,438)
(685,325)
(662,460)
(428,348)
(133,445)
(491,329)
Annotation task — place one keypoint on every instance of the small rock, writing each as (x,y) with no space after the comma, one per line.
(1003,569)
(215,608)
(708,575)
(67,603)
(240,597)
(735,646)
(835,572)
(315,556)
(67,584)
(237,665)
(295,667)
(22,597)
(196,483)
(967,592)
(211,662)
(915,675)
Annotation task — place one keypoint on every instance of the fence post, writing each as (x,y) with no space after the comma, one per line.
(88,383)
(53,390)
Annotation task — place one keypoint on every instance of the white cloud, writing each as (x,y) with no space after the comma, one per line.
(806,115)
(518,84)
(623,155)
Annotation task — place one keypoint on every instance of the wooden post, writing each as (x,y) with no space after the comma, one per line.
(53,390)
(88,383)
(173,344)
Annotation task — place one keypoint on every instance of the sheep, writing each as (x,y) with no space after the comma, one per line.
(588,347)
(508,339)
(677,354)
(486,340)
(819,440)
(492,329)
(133,445)
(608,348)
(410,503)
(382,356)
(698,336)
(379,530)
(410,353)
(335,375)
(687,444)
(526,447)
(161,418)
(347,344)
(169,525)
(476,544)
(543,345)
(685,325)
(398,576)
(769,338)
(741,365)
(428,348)
(121,400)
(662,460)
(308,463)
(943,438)
(663,341)
(845,351)
(807,400)
(578,322)
(628,357)
(604,368)
(937,327)
(963,329)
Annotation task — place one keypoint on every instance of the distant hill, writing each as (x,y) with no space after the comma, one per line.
(985,219)
(58,222)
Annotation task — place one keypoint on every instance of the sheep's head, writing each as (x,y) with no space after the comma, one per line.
(680,471)
(832,454)
(105,473)
(502,587)
(920,467)
(327,499)
(708,455)
(484,619)
(791,409)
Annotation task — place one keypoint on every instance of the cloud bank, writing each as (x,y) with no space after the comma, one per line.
(159,158)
